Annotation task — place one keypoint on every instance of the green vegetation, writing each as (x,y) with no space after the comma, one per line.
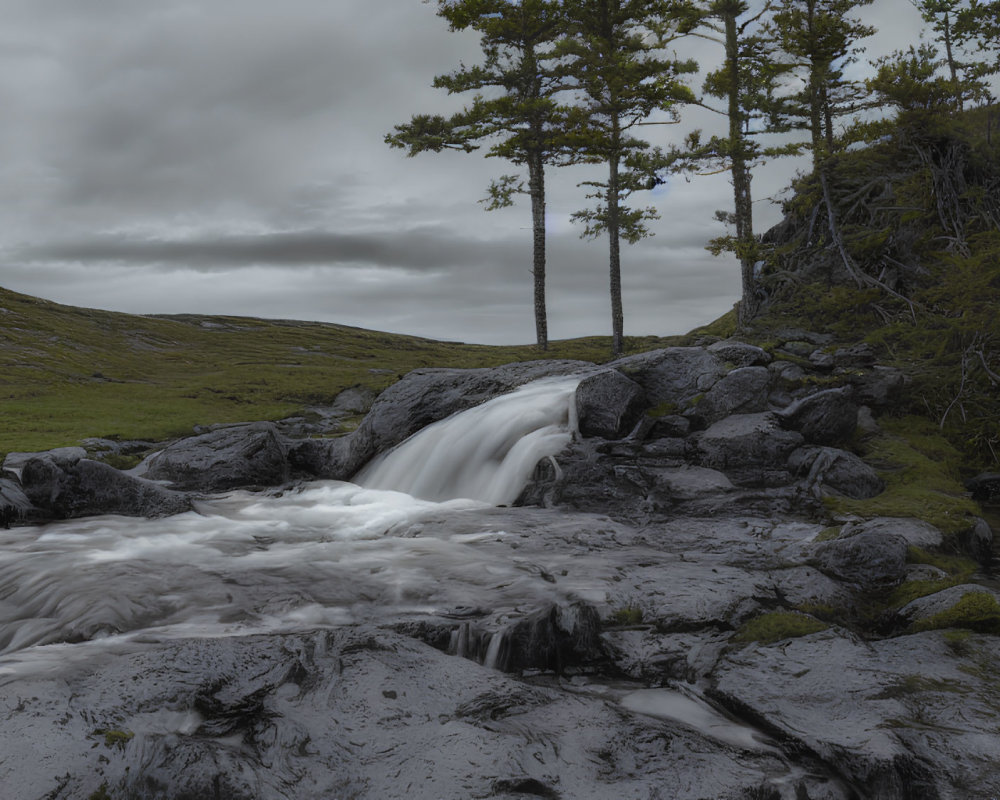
(101,793)
(921,471)
(629,615)
(114,738)
(777,625)
(976,611)
(71,373)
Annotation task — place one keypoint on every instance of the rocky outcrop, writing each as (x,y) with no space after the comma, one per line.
(237,456)
(826,418)
(65,485)
(827,469)
(871,559)
(608,405)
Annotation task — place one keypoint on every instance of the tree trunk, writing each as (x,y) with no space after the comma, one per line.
(536,188)
(743,202)
(615,264)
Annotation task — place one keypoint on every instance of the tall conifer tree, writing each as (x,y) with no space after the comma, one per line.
(614,54)
(514,109)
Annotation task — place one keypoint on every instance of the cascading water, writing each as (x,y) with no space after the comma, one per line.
(326,554)
(485,453)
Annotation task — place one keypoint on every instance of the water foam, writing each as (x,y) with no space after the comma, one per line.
(486,453)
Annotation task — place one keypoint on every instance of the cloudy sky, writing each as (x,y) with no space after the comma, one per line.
(227,157)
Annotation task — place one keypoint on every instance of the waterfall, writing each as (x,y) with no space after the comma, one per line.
(486,453)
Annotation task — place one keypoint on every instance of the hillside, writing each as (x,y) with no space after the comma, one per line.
(69,373)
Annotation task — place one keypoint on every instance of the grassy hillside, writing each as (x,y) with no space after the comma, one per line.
(70,373)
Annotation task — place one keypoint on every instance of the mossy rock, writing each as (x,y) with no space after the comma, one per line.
(777,625)
(976,611)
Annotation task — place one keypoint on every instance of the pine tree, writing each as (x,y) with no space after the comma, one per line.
(821,38)
(514,109)
(747,82)
(615,55)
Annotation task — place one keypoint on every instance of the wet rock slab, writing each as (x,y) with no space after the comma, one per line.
(910,717)
(359,713)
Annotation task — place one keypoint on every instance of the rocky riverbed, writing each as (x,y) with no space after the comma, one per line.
(671,608)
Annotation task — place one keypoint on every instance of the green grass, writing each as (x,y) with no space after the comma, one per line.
(920,468)
(71,373)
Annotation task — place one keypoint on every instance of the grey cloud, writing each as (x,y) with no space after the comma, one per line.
(418,250)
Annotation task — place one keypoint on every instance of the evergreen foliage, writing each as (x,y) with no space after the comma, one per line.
(514,109)
(614,53)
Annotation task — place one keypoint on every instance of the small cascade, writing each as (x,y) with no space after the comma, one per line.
(486,453)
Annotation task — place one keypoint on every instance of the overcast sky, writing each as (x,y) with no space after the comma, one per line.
(227,157)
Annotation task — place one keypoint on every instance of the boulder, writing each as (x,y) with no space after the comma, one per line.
(745,441)
(239,456)
(740,354)
(821,360)
(985,487)
(673,376)
(63,488)
(869,559)
(878,388)
(857,355)
(828,417)
(939,602)
(917,533)
(741,391)
(839,470)
(608,404)
(62,457)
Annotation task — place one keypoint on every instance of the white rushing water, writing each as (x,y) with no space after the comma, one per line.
(486,453)
(327,553)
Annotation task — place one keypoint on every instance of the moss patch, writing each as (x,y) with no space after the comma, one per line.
(778,625)
(976,611)
(630,615)
(920,469)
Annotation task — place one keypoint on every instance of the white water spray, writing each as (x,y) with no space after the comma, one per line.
(486,453)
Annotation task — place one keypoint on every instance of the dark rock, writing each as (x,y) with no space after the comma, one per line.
(786,371)
(552,639)
(238,456)
(839,470)
(857,355)
(608,404)
(669,425)
(673,376)
(745,441)
(355,712)
(742,391)
(868,559)
(328,459)
(810,337)
(740,354)
(802,349)
(821,360)
(977,541)
(901,718)
(62,488)
(917,533)
(985,487)
(879,387)
(62,457)
(828,417)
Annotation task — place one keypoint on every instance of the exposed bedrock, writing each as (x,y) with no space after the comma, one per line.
(62,484)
